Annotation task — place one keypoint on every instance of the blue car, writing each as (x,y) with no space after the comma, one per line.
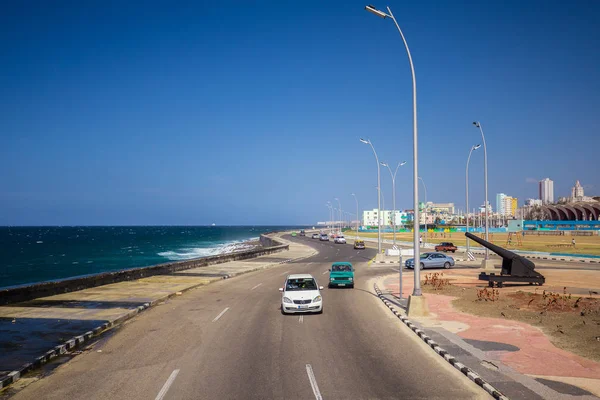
(432,260)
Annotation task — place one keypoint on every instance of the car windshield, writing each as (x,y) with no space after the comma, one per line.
(425,255)
(341,268)
(301,284)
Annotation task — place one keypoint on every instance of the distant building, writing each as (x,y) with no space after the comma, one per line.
(546,189)
(440,208)
(533,202)
(576,192)
(482,208)
(387,218)
(500,203)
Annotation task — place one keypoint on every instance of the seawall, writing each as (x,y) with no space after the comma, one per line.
(32,291)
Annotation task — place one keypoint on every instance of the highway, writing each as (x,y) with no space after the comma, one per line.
(229,340)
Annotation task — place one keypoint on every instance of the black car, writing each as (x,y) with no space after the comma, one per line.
(302,233)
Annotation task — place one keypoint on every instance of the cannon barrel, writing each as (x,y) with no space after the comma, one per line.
(512,263)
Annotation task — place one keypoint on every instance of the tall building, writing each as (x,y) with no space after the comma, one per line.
(500,203)
(513,207)
(547,191)
(577,192)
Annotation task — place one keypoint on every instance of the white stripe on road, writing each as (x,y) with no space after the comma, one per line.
(326,258)
(324,272)
(167,385)
(256,286)
(284,273)
(309,263)
(394,269)
(301,319)
(220,315)
(313,382)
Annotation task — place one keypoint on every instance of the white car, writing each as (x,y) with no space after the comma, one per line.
(301,294)
(340,240)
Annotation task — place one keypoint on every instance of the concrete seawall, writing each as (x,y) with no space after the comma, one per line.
(22,293)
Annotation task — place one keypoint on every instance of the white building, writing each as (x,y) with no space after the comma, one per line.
(546,191)
(500,209)
(370,218)
(533,202)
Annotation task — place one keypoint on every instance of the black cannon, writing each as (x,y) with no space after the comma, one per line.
(515,268)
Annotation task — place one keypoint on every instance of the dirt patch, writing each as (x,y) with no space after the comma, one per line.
(572,323)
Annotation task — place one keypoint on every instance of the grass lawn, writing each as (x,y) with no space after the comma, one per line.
(584,244)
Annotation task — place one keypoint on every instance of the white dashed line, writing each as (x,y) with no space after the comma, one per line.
(324,272)
(313,382)
(326,258)
(220,315)
(301,319)
(394,269)
(283,273)
(167,385)
(310,263)
(256,286)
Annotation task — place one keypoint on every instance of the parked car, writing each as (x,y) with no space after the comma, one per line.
(341,274)
(432,260)
(340,240)
(316,236)
(324,238)
(446,246)
(359,244)
(293,234)
(300,293)
(302,233)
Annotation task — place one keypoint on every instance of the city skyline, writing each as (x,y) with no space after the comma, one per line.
(172,118)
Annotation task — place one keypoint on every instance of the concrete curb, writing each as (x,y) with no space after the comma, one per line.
(77,341)
(496,394)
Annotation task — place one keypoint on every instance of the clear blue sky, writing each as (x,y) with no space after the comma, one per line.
(238,113)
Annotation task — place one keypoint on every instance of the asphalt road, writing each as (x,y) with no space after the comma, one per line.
(229,340)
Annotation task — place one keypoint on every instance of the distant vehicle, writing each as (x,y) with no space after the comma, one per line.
(293,233)
(359,244)
(324,238)
(446,246)
(302,233)
(341,274)
(300,293)
(340,240)
(316,236)
(432,260)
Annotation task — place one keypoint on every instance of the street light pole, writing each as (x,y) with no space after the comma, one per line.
(394,193)
(355,199)
(417,247)
(340,211)
(467,185)
(487,220)
(378,195)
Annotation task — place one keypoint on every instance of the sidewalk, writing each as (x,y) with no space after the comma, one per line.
(33,332)
(516,358)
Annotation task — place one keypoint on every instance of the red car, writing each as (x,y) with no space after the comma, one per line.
(446,246)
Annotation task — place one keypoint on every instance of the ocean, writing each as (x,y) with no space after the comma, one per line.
(36,254)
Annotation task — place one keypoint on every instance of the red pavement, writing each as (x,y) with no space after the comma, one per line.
(537,355)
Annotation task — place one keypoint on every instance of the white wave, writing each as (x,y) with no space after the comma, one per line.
(39,241)
(197,252)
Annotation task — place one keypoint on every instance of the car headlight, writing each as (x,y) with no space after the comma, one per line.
(350,279)
(331,278)
(317,299)
(287,300)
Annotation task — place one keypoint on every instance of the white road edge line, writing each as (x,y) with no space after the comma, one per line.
(167,385)
(220,315)
(256,286)
(301,319)
(313,382)
(284,273)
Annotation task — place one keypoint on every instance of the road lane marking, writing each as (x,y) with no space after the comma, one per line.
(167,385)
(310,263)
(313,382)
(256,286)
(326,258)
(324,272)
(301,319)
(284,273)
(220,315)
(394,269)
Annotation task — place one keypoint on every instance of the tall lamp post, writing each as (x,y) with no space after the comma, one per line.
(378,195)
(467,185)
(340,211)
(355,199)
(419,309)
(425,186)
(328,205)
(394,193)
(487,214)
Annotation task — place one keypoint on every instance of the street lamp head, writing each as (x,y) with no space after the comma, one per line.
(476,123)
(375,11)
(402,163)
(476,147)
(365,141)
(384,164)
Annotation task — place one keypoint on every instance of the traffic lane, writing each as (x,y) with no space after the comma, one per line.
(329,251)
(147,349)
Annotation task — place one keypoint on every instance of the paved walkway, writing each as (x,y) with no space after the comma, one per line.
(515,357)
(30,329)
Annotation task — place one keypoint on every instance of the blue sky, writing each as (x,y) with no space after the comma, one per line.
(251,112)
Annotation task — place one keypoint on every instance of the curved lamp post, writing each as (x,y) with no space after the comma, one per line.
(417,247)
(378,195)
(393,193)
(487,214)
(467,185)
